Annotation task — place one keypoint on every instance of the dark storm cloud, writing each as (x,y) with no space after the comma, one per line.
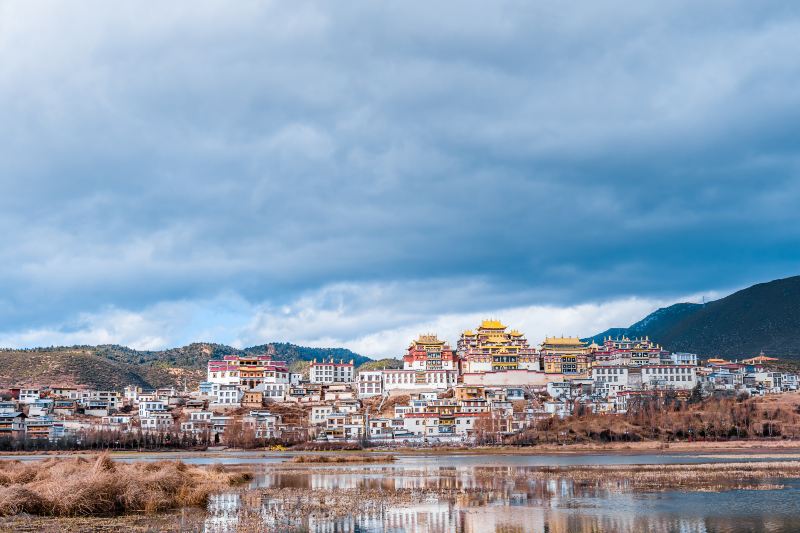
(268,150)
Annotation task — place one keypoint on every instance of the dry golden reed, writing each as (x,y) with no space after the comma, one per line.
(81,487)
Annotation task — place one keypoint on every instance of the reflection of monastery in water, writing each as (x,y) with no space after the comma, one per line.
(459,499)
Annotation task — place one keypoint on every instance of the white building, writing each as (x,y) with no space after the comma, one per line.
(227,396)
(327,372)
(559,389)
(146,408)
(669,376)
(610,379)
(682,358)
(263,424)
(274,391)
(157,422)
(421,424)
(370,383)
(112,399)
(29,395)
(223,372)
(465,422)
(319,414)
(413,379)
(199,422)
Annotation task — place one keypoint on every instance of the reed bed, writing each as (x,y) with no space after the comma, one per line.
(346,458)
(102,487)
(705,476)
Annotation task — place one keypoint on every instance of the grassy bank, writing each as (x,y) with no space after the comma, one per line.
(103,487)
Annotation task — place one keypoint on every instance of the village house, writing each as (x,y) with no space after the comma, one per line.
(327,372)
(12,425)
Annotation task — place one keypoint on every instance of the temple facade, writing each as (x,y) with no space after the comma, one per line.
(565,355)
(638,351)
(429,353)
(490,348)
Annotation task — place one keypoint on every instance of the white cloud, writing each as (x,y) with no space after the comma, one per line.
(376,320)
(535,321)
(136,330)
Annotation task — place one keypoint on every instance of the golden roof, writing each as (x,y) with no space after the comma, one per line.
(564,341)
(430,338)
(468,332)
(760,359)
(515,333)
(492,324)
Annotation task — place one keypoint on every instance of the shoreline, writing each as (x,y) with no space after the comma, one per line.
(618,448)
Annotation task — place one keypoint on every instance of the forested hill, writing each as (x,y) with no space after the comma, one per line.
(113,366)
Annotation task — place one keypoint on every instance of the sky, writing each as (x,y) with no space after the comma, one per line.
(353,174)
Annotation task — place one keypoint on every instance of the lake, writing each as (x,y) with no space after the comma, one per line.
(472,493)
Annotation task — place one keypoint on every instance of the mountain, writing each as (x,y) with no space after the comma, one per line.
(764,317)
(656,325)
(112,366)
(291,352)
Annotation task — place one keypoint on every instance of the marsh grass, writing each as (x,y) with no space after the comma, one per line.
(102,487)
(698,477)
(340,459)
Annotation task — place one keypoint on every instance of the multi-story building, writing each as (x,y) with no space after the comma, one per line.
(418,379)
(345,426)
(421,424)
(669,376)
(565,355)
(157,422)
(610,379)
(370,383)
(112,399)
(12,424)
(116,422)
(380,428)
(491,349)
(263,424)
(275,391)
(29,395)
(682,358)
(223,372)
(429,353)
(146,408)
(248,371)
(38,427)
(331,372)
(227,396)
(199,422)
(319,414)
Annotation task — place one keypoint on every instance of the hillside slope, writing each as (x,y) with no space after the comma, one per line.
(656,325)
(112,366)
(764,317)
(65,366)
